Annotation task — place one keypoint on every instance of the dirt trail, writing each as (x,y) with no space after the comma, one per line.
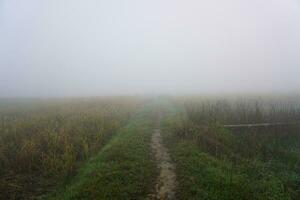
(166,181)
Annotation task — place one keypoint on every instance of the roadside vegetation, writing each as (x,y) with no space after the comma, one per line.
(214,162)
(100,148)
(123,169)
(43,143)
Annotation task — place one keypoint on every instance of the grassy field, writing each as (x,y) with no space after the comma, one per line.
(214,162)
(44,142)
(100,148)
(123,169)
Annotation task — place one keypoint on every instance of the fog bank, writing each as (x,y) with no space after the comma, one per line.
(91,48)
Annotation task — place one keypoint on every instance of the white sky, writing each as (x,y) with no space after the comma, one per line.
(94,47)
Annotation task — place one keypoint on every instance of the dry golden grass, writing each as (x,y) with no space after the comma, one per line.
(43,142)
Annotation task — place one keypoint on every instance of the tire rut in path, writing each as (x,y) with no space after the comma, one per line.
(166,181)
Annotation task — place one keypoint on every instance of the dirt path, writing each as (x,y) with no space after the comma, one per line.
(166,181)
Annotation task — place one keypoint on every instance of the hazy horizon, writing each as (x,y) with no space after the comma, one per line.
(56,48)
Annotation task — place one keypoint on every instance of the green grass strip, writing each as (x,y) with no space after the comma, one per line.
(122,170)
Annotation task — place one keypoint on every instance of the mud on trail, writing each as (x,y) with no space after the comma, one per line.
(166,181)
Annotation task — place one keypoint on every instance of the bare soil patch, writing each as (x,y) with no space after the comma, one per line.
(166,181)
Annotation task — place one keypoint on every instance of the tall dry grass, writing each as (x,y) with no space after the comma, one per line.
(43,142)
(267,159)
